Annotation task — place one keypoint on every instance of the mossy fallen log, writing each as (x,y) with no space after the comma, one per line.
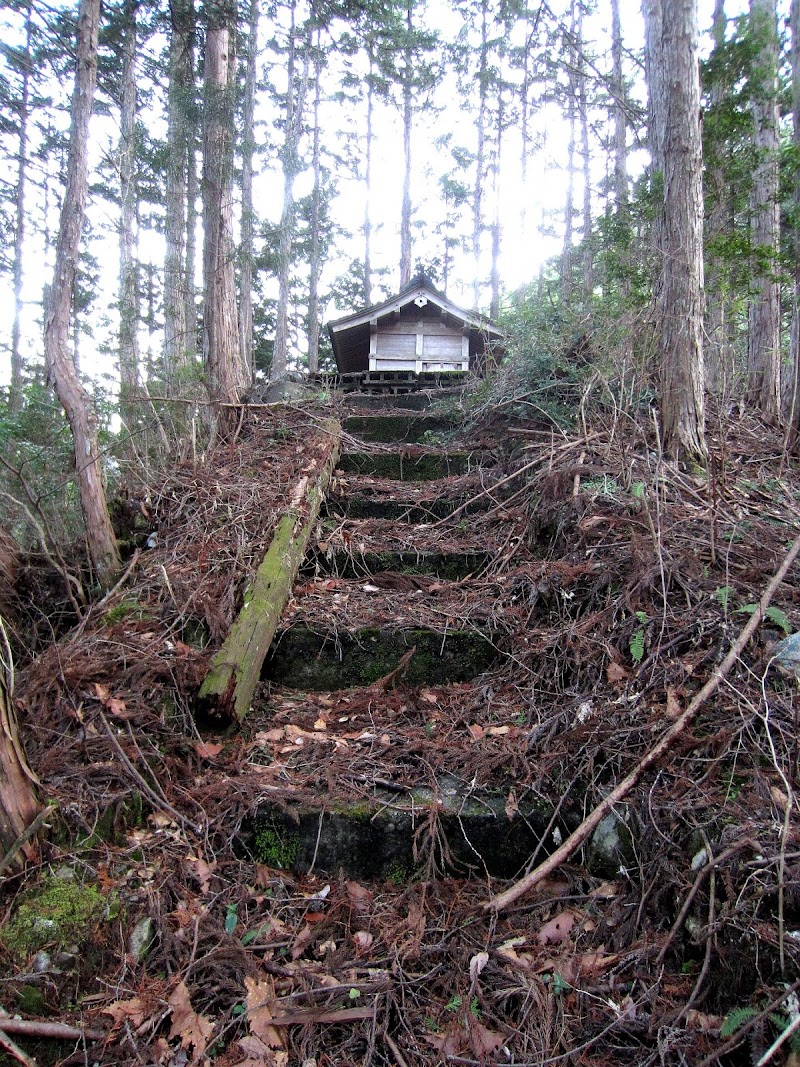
(235,669)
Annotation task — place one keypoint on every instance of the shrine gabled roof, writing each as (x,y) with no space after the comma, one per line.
(419,288)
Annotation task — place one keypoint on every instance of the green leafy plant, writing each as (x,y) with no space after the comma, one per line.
(454,1003)
(231,918)
(636,643)
(775,615)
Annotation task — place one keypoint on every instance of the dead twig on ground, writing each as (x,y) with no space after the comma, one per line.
(590,823)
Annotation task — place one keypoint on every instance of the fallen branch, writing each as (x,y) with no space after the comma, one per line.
(46,1028)
(659,750)
(235,669)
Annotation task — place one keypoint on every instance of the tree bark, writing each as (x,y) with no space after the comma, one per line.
(763,350)
(19,799)
(671,49)
(569,203)
(178,326)
(494,309)
(315,257)
(408,115)
(715,322)
(794,24)
(128,273)
(293,125)
(368,178)
(248,218)
(17,362)
(583,111)
(61,370)
(480,154)
(227,375)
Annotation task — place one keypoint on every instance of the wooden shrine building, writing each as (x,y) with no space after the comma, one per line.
(419,331)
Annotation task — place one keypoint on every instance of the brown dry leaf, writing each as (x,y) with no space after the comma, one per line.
(360,899)
(512,807)
(606,890)
(263,737)
(429,696)
(301,942)
(779,798)
(118,709)
(700,1020)
(207,749)
(450,1044)
(484,1041)
(557,928)
(131,1010)
(591,963)
(260,996)
(674,708)
(476,965)
(320,724)
(475,731)
(257,1054)
(498,731)
(203,870)
(194,1030)
(615,673)
(363,941)
(101,692)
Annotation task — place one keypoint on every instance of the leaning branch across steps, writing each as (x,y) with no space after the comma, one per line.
(659,750)
(235,669)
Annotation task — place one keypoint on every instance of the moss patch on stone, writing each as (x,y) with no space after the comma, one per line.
(60,912)
(386,428)
(303,659)
(452,566)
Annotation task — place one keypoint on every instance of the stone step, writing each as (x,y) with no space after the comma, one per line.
(352,563)
(302,658)
(407,466)
(380,506)
(383,836)
(388,428)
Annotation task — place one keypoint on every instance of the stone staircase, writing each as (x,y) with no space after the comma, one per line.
(393,616)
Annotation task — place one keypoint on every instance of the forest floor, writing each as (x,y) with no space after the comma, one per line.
(617,585)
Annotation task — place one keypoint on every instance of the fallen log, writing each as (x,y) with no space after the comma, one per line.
(235,669)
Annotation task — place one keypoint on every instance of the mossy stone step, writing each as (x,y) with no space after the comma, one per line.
(314,662)
(452,566)
(419,401)
(412,467)
(406,511)
(388,427)
(375,838)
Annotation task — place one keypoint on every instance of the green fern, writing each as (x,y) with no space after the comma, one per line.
(735,1019)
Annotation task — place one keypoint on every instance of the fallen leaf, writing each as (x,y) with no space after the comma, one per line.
(450,1044)
(101,692)
(363,941)
(193,1030)
(674,708)
(301,942)
(360,899)
(484,1041)
(557,928)
(512,807)
(615,673)
(260,998)
(476,965)
(779,798)
(118,709)
(475,731)
(203,870)
(498,731)
(701,1020)
(429,696)
(320,724)
(207,749)
(131,1010)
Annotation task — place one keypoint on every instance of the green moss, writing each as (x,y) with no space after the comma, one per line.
(31,1000)
(128,609)
(60,912)
(276,848)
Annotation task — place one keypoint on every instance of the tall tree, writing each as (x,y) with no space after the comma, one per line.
(246,248)
(128,270)
(228,377)
(794,24)
(179,322)
(296,88)
(408,113)
(315,252)
(763,350)
(61,369)
(671,49)
(23,108)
